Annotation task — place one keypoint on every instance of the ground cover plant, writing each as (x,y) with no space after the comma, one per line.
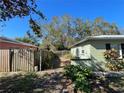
(80,77)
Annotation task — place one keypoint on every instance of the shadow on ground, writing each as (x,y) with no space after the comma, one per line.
(107,85)
(56,83)
(49,83)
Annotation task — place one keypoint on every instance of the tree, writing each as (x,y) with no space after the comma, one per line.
(20,8)
(62,32)
(25,40)
(31,40)
(59,32)
(13,8)
(83,28)
(101,27)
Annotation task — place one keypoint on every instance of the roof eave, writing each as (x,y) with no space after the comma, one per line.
(19,43)
(96,38)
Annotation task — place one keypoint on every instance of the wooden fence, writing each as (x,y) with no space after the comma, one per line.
(19,60)
(62,53)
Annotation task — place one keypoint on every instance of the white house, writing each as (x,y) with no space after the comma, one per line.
(90,51)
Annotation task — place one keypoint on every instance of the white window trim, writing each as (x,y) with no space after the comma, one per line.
(120,52)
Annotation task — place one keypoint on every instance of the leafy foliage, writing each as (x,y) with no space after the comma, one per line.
(19,8)
(13,8)
(113,62)
(50,60)
(27,39)
(64,31)
(79,76)
(35,27)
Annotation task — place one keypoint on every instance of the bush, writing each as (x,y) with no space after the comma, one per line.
(79,76)
(113,61)
(50,60)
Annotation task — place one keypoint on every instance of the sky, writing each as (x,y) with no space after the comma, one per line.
(111,10)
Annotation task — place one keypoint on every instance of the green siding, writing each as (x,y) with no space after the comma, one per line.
(97,49)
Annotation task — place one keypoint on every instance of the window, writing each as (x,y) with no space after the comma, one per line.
(83,51)
(122,48)
(108,46)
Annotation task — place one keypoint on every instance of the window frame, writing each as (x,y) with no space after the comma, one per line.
(122,50)
(108,48)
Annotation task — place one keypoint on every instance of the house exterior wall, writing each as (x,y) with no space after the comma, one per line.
(97,48)
(83,52)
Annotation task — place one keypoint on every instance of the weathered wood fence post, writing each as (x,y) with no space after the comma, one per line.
(40,53)
(11,54)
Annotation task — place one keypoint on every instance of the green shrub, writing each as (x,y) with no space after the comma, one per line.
(79,76)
